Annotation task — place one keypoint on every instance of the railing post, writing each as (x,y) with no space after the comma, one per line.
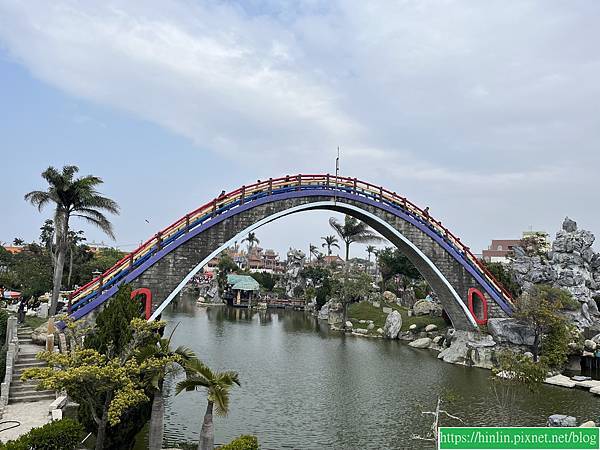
(381,194)
(354,184)
(270,186)
(243,194)
(187,223)
(327,181)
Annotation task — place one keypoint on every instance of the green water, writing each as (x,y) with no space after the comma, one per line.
(305,387)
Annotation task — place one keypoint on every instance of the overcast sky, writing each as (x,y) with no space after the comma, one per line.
(487,112)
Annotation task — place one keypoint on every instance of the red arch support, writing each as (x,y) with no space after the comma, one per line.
(483,320)
(147,300)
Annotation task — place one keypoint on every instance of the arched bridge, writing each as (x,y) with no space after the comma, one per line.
(167,261)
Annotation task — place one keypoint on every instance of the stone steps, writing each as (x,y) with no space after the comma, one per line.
(39,395)
(26,391)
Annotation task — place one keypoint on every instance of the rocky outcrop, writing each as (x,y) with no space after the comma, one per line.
(392,326)
(420,343)
(571,264)
(295,263)
(510,331)
(38,336)
(389,297)
(470,349)
(560,420)
(425,308)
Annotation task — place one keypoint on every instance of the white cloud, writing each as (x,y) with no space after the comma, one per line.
(446,97)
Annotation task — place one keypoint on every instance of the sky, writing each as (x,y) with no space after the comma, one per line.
(487,112)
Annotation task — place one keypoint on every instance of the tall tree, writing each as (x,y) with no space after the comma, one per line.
(313,250)
(353,230)
(217,385)
(370,249)
(252,240)
(330,241)
(154,356)
(74,238)
(71,197)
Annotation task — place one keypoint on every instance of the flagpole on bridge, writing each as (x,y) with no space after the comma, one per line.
(337,172)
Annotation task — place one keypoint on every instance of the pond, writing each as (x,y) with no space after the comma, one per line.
(306,387)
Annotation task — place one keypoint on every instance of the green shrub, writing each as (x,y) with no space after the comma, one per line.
(3,322)
(245,442)
(65,434)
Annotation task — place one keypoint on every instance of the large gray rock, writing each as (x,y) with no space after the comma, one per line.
(389,297)
(336,313)
(510,331)
(392,326)
(471,349)
(560,420)
(39,334)
(420,343)
(324,312)
(425,307)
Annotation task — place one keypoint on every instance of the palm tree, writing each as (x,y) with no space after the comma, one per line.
(313,250)
(74,239)
(353,230)
(72,197)
(252,240)
(174,360)
(370,249)
(217,385)
(330,241)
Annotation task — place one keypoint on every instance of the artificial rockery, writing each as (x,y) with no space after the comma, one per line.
(571,264)
(568,264)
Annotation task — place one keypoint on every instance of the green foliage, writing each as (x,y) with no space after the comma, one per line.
(29,271)
(540,309)
(3,323)
(65,434)
(392,262)
(217,384)
(113,331)
(266,280)
(555,345)
(518,368)
(298,292)
(244,442)
(535,244)
(353,287)
(321,279)
(353,230)
(505,276)
(226,265)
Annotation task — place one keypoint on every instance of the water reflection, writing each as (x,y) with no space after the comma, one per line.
(305,387)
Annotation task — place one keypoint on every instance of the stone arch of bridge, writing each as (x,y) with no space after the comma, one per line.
(451,300)
(165,265)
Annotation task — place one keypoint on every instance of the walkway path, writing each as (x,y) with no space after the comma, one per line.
(25,403)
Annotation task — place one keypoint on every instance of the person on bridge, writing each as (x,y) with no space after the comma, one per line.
(426,211)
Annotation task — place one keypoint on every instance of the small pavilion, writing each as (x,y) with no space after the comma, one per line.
(242,289)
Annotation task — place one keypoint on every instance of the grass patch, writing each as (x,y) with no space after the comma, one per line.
(366,311)
(34,321)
